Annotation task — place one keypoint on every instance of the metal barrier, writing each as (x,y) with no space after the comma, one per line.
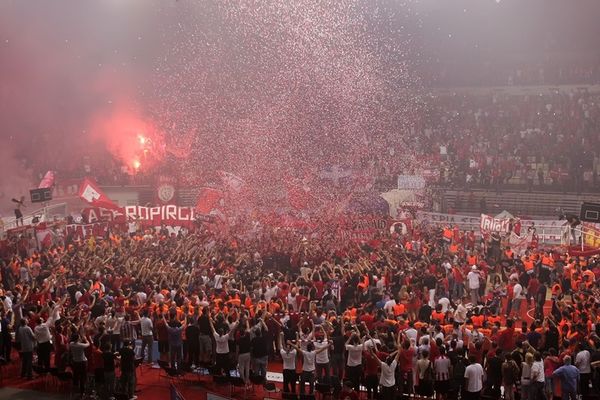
(46,213)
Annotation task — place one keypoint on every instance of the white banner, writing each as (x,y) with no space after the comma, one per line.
(490,224)
(411,182)
(547,230)
(464,222)
(519,244)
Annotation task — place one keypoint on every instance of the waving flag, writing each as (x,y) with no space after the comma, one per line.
(47,181)
(90,193)
(232,182)
(208,200)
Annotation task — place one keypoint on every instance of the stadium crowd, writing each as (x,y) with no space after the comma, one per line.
(472,139)
(426,312)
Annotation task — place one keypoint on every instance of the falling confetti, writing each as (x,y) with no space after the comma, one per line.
(277,89)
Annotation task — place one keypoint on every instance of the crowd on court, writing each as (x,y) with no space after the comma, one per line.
(416,313)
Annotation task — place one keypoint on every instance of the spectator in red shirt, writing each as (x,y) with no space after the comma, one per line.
(348,392)
(506,337)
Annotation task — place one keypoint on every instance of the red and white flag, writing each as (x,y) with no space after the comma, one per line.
(208,200)
(490,224)
(47,180)
(232,182)
(90,193)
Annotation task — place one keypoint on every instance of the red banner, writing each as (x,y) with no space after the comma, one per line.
(363,229)
(90,192)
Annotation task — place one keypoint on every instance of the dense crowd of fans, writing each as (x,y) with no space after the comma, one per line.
(488,139)
(492,140)
(429,312)
(491,73)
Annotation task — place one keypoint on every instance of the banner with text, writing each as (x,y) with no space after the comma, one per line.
(591,235)
(490,224)
(170,215)
(363,229)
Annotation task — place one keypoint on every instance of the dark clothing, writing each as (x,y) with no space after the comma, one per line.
(552,338)
(26,364)
(534,339)
(204,325)
(259,347)
(289,381)
(109,361)
(79,375)
(244,344)
(192,335)
(175,336)
(43,351)
(425,314)
(127,359)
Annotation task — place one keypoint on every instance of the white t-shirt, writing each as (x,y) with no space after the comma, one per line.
(218,282)
(354,355)
(308,360)
(517,290)
(473,278)
(474,375)
(270,293)
(222,343)
(411,334)
(371,343)
(323,356)
(132,227)
(460,315)
(582,362)
(146,326)
(289,359)
(389,306)
(387,378)
(445,303)
(292,301)
(537,371)
(142,297)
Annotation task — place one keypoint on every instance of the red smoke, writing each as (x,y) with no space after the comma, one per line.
(129,137)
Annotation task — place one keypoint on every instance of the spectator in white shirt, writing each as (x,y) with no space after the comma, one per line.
(387,378)
(411,333)
(222,348)
(147,336)
(537,378)
(288,355)
(517,297)
(44,345)
(308,366)
(322,358)
(355,348)
(460,314)
(389,305)
(473,281)
(445,303)
(474,379)
(582,362)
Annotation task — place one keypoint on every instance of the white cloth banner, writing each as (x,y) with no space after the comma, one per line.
(519,244)
(547,230)
(491,224)
(465,222)
(411,182)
